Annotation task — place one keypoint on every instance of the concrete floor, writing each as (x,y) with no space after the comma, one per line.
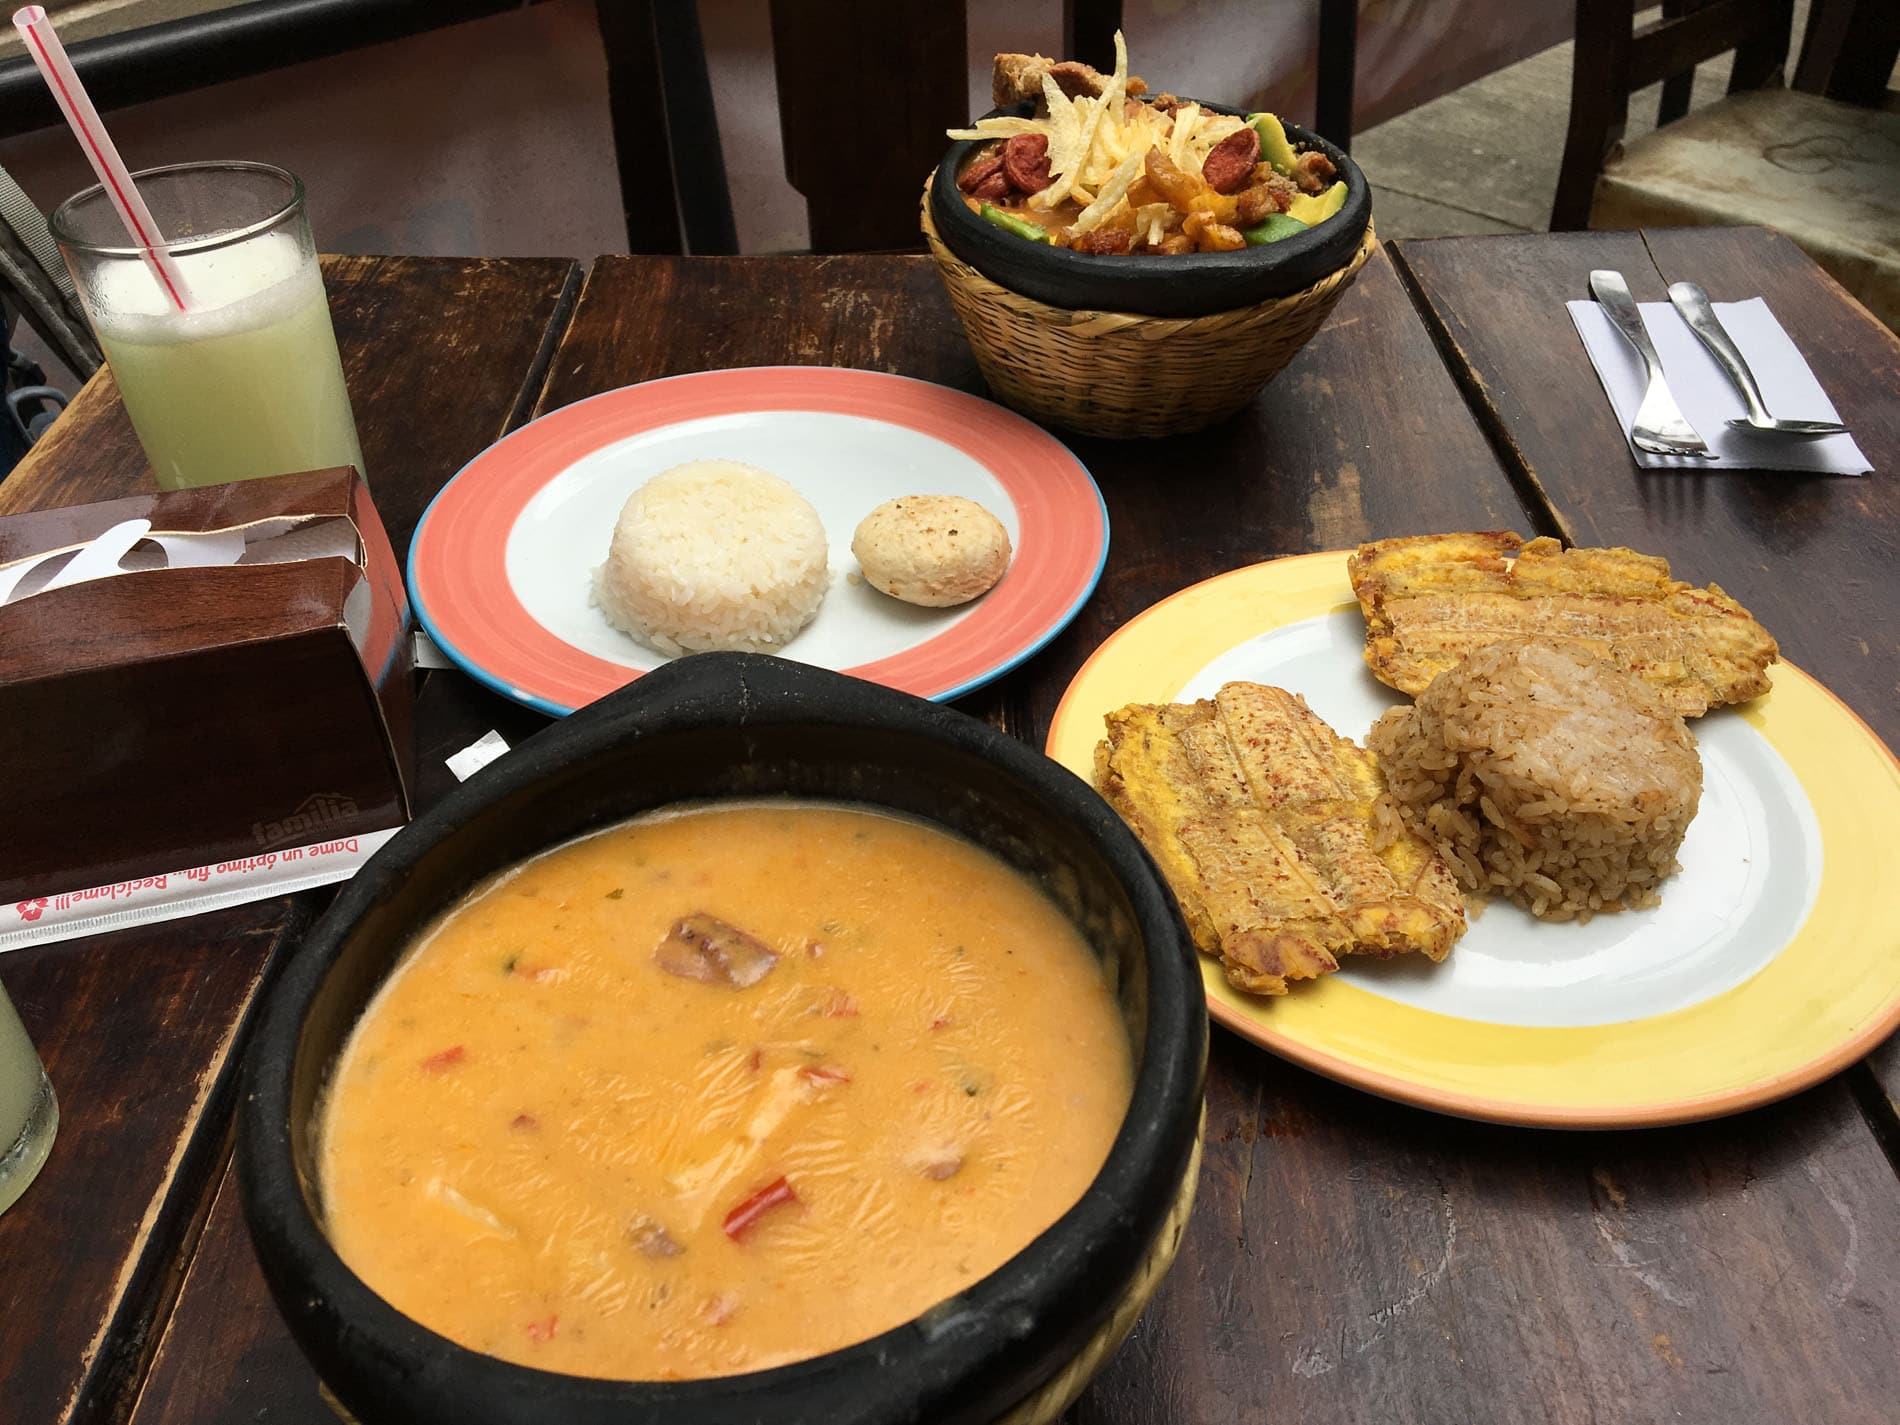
(1506,134)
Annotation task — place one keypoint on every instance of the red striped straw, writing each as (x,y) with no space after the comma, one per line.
(57,70)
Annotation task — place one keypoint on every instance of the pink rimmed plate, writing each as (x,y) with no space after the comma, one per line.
(501,566)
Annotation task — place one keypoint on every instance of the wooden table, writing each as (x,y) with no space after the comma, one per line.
(1350,1260)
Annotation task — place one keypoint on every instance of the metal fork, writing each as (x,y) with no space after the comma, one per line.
(1660,427)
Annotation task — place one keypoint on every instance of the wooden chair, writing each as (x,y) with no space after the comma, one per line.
(674,192)
(837,63)
(1850,50)
(1826,173)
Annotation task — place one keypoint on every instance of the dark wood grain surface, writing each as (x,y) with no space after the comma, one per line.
(1354,1261)
(140,1029)
(1350,1260)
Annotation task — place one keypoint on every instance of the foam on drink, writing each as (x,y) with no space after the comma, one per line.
(245,383)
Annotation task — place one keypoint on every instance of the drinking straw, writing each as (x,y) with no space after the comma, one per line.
(57,70)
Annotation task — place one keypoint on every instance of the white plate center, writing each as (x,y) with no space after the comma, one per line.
(845,465)
(1751,866)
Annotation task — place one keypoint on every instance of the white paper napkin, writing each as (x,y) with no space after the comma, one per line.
(131,547)
(1708,399)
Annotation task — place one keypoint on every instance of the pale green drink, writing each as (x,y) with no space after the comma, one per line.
(245,381)
(29,1115)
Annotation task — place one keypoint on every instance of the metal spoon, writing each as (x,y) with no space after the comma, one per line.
(1693,303)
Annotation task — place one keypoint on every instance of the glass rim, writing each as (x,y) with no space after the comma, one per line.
(58,222)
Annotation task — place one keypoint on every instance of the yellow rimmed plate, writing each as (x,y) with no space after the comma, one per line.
(1771,963)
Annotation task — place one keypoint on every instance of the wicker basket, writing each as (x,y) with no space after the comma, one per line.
(1120,374)
(1060,1390)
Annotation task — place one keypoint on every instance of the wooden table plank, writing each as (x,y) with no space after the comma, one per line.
(1816,558)
(1858,655)
(140,1030)
(1352,1261)
(243,1366)
(644,317)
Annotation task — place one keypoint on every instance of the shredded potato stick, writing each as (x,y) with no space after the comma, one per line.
(1065,129)
(1185,118)
(1059,189)
(1114,192)
(1002,128)
(1095,167)
(1117,87)
(1156,221)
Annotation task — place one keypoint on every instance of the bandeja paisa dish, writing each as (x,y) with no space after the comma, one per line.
(1078,184)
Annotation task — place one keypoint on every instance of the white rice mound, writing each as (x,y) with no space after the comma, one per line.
(714,556)
(1545,775)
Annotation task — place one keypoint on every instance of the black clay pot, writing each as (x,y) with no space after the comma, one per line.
(707,727)
(1191,285)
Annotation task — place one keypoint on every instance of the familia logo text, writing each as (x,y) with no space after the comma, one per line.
(320,812)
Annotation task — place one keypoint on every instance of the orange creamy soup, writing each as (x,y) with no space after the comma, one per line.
(718,1090)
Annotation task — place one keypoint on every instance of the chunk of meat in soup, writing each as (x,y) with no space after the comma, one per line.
(705,948)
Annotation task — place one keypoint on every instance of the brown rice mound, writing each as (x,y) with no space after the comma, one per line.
(1543,774)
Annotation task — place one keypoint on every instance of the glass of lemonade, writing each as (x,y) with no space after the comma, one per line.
(246,381)
(29,1114)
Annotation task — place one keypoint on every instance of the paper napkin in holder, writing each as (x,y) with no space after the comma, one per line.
(198,676)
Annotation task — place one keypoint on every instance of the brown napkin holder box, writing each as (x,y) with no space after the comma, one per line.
(172,717)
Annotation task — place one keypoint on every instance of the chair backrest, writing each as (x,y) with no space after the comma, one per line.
(1849,50)
(1613,58)
(672,167)
(865,90)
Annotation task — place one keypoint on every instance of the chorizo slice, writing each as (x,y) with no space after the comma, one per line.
(979,170)
(1026,161)
(1229,164)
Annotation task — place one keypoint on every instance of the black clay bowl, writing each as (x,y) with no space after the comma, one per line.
(709,727)
(1192,285)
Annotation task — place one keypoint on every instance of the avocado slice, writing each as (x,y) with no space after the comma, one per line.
(1272,228)
(1274,147)
(1315,208)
